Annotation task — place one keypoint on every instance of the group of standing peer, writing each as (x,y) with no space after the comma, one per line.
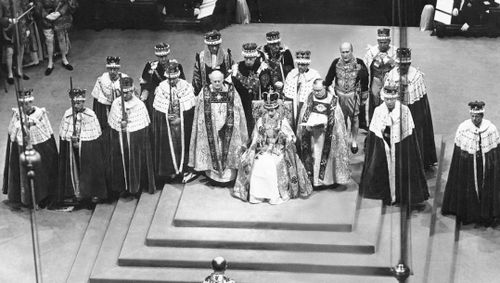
(268,127)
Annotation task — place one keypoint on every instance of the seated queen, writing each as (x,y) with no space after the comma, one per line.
(270,169)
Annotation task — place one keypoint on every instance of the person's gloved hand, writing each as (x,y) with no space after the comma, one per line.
(455,12)
(144,95)
(196,11)
(53,16)
(465,27)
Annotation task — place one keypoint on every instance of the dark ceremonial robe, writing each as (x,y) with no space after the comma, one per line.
(131,164)
(416,98)
(81,170)
(15,182)
(325,152)
(378,64)
(219,131)
(280,64)
(472,12)
(173,111)
(247,81)
(351,86)
(385,148)
(205,63)
(152,75)
(473,189)
(271,168)
(104,92)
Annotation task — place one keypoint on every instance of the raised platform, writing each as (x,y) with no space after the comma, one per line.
(163,231)
(325,211)
(172,235)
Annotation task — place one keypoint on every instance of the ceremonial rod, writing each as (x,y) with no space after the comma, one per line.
(29,158)
(26,12)
(401,271)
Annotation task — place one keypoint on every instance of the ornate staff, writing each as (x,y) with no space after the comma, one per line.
(124,139)
(29,156)
(75,167)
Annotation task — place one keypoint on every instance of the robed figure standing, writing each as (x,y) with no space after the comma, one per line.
(173,111)
(278,58)
(154,73)
(131,161)
(106,89)
(392,157)
(39,131)
(299,82)
(246,77)
(81,163)
(379,59)
(415,97)
(473,189)
(270,169)
(212,58)
(219,131)
(323,139)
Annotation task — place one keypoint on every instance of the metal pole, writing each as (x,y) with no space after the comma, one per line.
(29,158)
(401,271)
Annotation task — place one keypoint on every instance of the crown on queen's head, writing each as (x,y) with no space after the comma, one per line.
(271,99)
(383,33)
(112,62)
(127,84)
(26,95)
(476,107)
(213,38)
(403,55)
(303,57)
(77,94)
(273,37)
(173,71)
(249,50)
(162,49)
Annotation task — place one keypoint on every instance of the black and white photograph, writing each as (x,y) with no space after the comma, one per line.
(246,141)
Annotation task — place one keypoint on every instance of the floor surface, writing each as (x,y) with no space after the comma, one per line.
(457,70)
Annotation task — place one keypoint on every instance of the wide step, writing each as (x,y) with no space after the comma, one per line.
(163,233)
(203,206)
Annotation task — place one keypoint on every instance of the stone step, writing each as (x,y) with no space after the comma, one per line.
(163,233)
(192,275)
(114,237)
(206,206)
(135,253)
(107,270)
(91,243)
